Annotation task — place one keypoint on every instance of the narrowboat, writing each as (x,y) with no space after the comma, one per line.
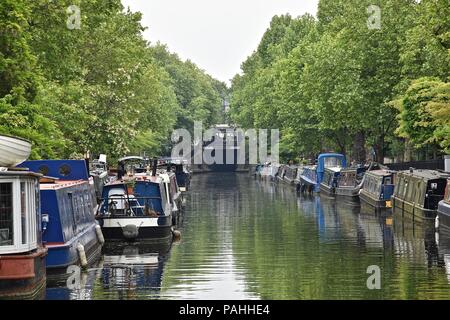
(180,168)
(329,181)
(312,176)
(256,172)
(138,207)
(307,181)
(264,172)
(22,253)
(99,172)
(378,188)
(281,173)
(350,183)
(272,172)
(68,202)
(297,179)
(443,218)
(417,193)
(290,174)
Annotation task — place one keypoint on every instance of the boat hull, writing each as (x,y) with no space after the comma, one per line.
(23,276)
(412,211)
(148,229)
(66,254)
(327,190)
(308,185)
(351,194)
(444,217)
(13,151)
(372,201)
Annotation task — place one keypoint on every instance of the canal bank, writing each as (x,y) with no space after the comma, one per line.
(249,239)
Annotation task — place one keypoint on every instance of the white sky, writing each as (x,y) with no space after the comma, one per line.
(217,35)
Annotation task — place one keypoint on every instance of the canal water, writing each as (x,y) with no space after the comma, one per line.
(248,239)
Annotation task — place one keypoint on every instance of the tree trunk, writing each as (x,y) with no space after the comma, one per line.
(359,147)
(408,151)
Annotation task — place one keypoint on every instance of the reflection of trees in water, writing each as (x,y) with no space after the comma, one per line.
(321,249)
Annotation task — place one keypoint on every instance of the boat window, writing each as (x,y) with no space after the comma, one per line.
(6,214)
(332,162)
(64,170)
(32,230)
(447,192)
(421,191)
(410,190)
(44,170)
(23,211)
(399,187)
(387,180)
(373,183)
(405,188)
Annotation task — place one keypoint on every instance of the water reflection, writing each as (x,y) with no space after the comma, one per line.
(125,271)
(248,239)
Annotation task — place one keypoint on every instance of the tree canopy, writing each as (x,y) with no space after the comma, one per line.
(336,83)
(95,87)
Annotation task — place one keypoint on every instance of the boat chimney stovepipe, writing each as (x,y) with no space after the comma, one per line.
(155,167)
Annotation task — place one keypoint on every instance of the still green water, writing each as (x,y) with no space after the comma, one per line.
(248,239)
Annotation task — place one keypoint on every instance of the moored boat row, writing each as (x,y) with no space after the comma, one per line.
(418,194)
(59,213)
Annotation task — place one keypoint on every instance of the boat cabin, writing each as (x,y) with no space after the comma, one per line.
(68,200)
(330,180)
(378,188)
(444,212)
(418,192)
(20,217)
(290,174)
(329,160)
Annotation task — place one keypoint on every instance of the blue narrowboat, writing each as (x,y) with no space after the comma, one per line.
(444,212)
(68,205)
(378,188)
(307,180)
(330,181)
(312,176)
(139,206)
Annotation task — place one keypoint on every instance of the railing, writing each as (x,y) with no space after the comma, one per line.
(130,206)
(438,164)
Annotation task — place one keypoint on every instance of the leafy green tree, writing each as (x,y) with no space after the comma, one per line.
(425,113)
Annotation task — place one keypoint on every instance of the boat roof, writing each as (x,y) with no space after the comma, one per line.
(334,169)
(426,174)
(381,173)
(149,178)
(18,172)
(328,155)
(131,158)
(69,170)
(60,184)
(14,137)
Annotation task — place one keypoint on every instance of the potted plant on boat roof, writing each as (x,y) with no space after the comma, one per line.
(130,186)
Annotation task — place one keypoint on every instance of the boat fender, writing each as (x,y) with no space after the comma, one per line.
(82,255)
(100,236)
(436,223)
(176,235)
(130,232)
